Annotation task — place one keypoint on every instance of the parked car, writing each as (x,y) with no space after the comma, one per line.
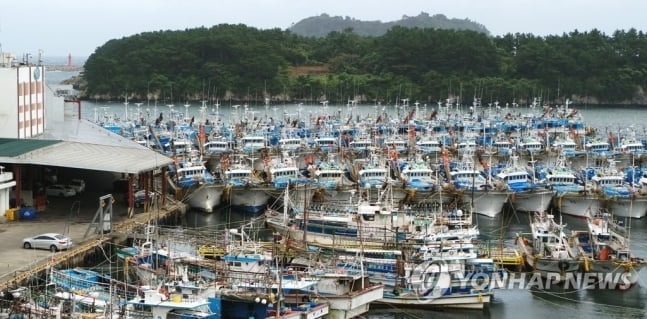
(140,197)
(52,241)
(60,190)
(78,185)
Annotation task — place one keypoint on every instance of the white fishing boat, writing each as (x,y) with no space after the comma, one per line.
(429,146)
(530,145)
(547,249)
(598,148)
(606,250)
(326,143)
(567,146)
(291,144)
(197,183)
(570,197)
(179,299)
(417,175)
(327,224)
(439,277)
(252,143)
(348,295)
(525,193)
(474,188)
(609,186)
(243,189)
(216,147)
(329,181)
(362,145)
(372,172)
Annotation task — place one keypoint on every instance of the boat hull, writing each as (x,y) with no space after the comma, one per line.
(354,305)
(336,195)
(486,203)
(459,301)
(533,201)
(577,204)
(247,199)
(206,197)
(626,207)
(626,276)
(554,268)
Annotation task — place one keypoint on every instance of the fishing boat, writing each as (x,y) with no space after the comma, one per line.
(362,145)
(396,144)
(371,172)
(328,224)
(500,146)
(291,145)
(567,146)
(283,171)
(598,148)
(530,145)
(474,188)
(429,284)
(243,189)
(417,175)
(570,198)
(349,295)
(174,300)
(252,143)
(329,180)
(196,182)
(255,280)
(326,143)
(606,250)
(525,193)
(216,147)
(428,146)
(440,274)
(609,186)
(547,249)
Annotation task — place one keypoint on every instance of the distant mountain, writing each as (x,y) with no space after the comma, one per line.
(322,25)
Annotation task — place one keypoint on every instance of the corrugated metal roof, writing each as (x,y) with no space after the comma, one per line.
(82,144)
(93,157)
(15,147)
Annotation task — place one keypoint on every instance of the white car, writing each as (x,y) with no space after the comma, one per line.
(60,190)
(78,185)
(52,241)
(140,197)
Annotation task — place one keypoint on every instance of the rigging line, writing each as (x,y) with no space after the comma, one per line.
(561,296)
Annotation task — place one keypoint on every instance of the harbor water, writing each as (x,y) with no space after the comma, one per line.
(521,302)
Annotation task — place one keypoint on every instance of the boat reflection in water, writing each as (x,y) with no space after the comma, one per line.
(223,218)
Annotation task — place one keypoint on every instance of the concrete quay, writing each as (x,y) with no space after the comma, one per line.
(70,216)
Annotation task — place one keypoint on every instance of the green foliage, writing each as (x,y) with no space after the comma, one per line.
(422,64)
(323,25)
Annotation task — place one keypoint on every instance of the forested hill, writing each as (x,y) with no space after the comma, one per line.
(322,25)
(241,63)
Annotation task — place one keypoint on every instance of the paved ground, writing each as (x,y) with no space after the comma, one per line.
(70,216)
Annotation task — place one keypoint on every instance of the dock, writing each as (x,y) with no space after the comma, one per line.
(507,257)
(15,257)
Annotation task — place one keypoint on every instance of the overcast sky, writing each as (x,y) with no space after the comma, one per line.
(78,27)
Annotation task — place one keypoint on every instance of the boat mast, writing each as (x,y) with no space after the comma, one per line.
(361,249)
(286,200)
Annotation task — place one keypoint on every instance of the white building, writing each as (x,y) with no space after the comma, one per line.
(22,102)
